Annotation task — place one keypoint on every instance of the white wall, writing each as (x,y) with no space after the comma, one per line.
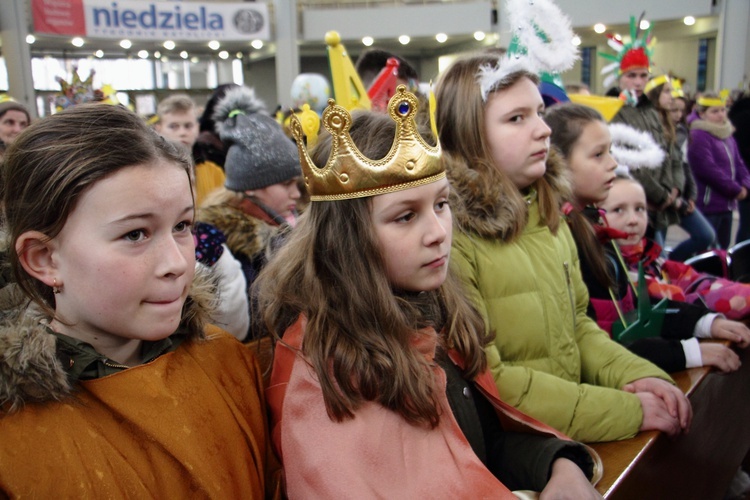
(390,22)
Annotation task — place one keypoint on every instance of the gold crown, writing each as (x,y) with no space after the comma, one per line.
(349,174)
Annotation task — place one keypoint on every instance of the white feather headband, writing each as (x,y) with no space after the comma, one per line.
(492,76)
(633,149)
(552,54)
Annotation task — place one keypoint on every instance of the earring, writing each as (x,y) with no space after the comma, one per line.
(55,289)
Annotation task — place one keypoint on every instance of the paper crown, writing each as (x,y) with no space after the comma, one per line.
(710,102)
(677,90)
(655,82)
(79,91)
(636,53)
(348,174)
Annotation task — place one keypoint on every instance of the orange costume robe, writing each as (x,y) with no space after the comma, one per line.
(189,424)
(376,454)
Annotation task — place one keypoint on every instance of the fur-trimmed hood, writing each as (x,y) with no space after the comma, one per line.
(488,208)
(30,370)
(719,130)
(246,235)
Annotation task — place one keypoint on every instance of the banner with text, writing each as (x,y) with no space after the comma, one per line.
(144,20)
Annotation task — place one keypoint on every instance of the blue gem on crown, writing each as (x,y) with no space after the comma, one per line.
(403,108)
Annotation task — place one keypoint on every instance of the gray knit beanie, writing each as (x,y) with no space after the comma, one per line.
(259,154)
(14,106)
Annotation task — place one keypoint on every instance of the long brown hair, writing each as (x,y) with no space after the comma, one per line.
(460,122)
(670,134)
(57,159)
(358,334)
(567,122)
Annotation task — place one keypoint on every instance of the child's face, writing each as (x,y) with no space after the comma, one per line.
(665,96)
(12,123)
(715,114)
(591,165)
(179,127)
(126,256)
(634,79)
(518,137)
(414,231)
(281,198)
(626,210)
(677,111)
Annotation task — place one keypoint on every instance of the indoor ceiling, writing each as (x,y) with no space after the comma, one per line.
(57,46)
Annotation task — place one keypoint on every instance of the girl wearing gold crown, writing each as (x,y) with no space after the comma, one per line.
(379,385)
(720,173)
(521,267)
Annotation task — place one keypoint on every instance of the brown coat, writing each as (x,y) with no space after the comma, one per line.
(190,424)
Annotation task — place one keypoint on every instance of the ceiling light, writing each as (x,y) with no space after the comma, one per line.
(367,41)
(576,40)
(479,36)
(689,20)
(126,44)
(30,39)
(257,44)
(600,28)
(194,60)
(143,54)
(184,54)
(404,39)
(214,45)
(99,53)
(157,54)
(169,44)
(224,54)
(441,37)
(77,41)
(645,24)
(238,55)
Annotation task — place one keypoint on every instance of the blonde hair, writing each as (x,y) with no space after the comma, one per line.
(176,103)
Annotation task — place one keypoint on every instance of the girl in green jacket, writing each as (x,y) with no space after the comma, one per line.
(521,265)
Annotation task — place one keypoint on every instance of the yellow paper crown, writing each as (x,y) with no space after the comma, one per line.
(655,82)
(710,102)
(677,90)
(348,174)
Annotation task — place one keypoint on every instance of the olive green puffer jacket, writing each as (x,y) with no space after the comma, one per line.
(548,358)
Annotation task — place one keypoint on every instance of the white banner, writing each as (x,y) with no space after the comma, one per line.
(144,20)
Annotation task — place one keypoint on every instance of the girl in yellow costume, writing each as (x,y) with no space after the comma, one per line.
(112,384)
(379,386)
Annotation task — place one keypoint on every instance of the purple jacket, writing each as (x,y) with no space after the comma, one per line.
(720,174)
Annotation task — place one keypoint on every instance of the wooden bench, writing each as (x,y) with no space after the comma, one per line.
(698,465)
